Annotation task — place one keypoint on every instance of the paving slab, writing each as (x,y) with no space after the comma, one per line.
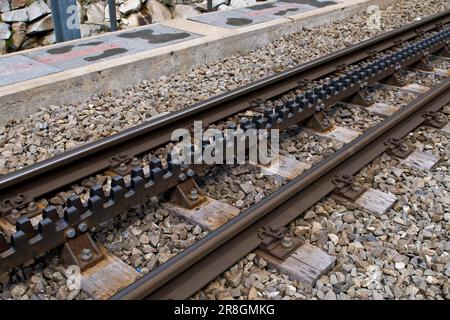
(85,52)
(237,18)
(19,68)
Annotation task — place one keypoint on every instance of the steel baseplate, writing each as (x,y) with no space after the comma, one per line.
(188,194)
(398,148)
(275,242)
(347,188)
(435,119)
(81,251)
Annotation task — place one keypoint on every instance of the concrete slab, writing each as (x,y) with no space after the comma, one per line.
(19,68)
(286,167)
(343,134)
(85,52)
(421,160)
(376,201)
(383,109)
(210,215)
(306,264)
(237,18)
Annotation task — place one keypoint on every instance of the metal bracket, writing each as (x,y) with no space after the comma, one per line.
(123,163)
(444,52)
(398,148)
(347,188)
(276,243)
(20,206)
(319,121)
(188,194)
(256,102)
(81,251)
(424,64)
(435,119)
(362,98)
(398,79)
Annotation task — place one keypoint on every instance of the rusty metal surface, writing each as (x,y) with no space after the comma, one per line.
(201,263)
(52,174)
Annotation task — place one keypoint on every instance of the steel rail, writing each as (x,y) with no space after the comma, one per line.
(199,264)
(52,174)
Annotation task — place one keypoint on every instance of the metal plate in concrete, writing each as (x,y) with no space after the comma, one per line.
(19,68)
(242,17)
(110,46)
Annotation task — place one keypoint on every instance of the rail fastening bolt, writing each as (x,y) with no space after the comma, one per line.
(286,243)
(71,233)
(135,162)
(122,166)
(86,255)
(194,194)
(403,147)
(182,177)
(82,227)
(190,173)
(32,206)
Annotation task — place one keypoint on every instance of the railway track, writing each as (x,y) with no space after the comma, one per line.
(299,96)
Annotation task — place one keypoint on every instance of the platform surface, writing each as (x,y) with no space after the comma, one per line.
(44,61)
(260,13)
(48,60)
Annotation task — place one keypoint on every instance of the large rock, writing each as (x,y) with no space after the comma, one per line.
(136,20)
(19,35)
(183,11)
(96,13)
(17,4)
(88,30)
(130,6)
(48,39)
(37,9)
(4,6)
(31,43)
(158,11)
(15,16)
(43,25)
(241,3)
(5,32)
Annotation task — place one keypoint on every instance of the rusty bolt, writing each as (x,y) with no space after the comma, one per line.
(82,227)
(286,243)
(190,173)
(71,233)
(86,255)
(135,162)
(194,194)
(403,147)
(123,166)
(32,206)
(19,199)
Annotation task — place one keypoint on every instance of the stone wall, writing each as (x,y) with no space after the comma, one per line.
(26,24)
